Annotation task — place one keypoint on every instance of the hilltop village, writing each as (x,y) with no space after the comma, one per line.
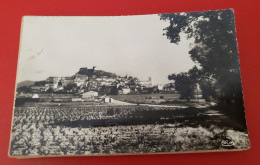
(96,82)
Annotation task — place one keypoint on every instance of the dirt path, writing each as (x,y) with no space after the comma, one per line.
(165,106)
(214,113)
(117,102)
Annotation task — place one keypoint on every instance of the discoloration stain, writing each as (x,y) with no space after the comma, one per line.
(39,71)
(40,52)
(31,57)
(34,56)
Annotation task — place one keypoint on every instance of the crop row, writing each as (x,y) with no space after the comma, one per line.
(43,131)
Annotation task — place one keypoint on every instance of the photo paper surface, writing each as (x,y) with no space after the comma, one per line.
(145,84)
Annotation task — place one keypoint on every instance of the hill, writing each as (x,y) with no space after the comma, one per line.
(25,83)
(100,73)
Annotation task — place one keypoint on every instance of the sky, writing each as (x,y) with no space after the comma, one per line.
(125,45)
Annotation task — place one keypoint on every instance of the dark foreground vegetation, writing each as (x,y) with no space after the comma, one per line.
(58,130)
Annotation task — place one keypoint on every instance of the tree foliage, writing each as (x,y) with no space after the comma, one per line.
(184,85)
(50,90)
(24,89)
(214,49)
(70,86)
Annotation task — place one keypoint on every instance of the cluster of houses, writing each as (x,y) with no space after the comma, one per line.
(91,85)
(88,85)
(103,83)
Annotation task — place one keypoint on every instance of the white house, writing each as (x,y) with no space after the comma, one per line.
(55,86)
(76,99)
(160,87)
(89,94)
(146,83)
(126,90)
(35,96)
(108,100)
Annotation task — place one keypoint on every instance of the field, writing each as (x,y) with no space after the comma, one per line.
(147,98)
(111,129)
(159,98)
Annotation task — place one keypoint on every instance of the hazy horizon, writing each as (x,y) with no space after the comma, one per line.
(124,45)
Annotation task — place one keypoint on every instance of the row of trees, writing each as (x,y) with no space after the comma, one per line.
(66,88)
(214,51)
(186,83)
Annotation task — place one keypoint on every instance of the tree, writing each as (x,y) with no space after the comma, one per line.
(132,81)
(70,86)
(208,89)
(214,49)
(184,85)
(207,84)
(50,90)
(24,89)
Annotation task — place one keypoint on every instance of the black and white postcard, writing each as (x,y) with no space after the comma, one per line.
(105,85)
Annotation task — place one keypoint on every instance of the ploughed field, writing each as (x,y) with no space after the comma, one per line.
(111,129)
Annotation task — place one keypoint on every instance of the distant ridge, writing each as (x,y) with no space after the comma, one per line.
(26,83)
